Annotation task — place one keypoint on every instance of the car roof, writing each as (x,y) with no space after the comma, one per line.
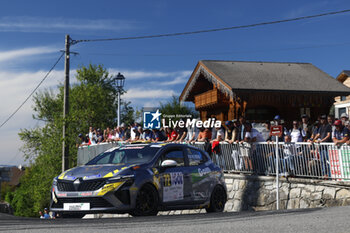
(154,144)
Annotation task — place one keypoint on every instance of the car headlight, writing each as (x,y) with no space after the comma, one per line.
(54,181)
(129,179)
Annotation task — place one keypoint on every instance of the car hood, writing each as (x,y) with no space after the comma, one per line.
(93,171)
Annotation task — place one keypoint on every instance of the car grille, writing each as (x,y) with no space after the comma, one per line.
(95,202)
(91,185)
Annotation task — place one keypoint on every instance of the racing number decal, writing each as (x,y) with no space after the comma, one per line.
(167,180)
(173,186)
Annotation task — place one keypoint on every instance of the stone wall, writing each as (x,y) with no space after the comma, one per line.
(259,193)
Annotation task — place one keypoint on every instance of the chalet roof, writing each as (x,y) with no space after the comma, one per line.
(267,76)
(347,72)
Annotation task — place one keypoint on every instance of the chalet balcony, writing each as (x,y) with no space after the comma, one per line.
(210,99)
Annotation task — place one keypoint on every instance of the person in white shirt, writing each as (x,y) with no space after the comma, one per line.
(252,135)
(297,134)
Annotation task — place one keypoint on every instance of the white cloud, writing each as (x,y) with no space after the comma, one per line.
(180,79)
(16,86)
(140,93)
(41,24)
(20,53)
(135,74)
(178,76)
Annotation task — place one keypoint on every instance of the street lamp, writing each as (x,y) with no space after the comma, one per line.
(119,81)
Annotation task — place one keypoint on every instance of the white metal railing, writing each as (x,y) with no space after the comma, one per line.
(317,160)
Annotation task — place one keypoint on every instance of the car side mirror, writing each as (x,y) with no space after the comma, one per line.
(168,163)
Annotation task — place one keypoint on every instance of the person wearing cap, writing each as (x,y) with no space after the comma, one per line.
(79,140)
(324,131)
(99,136)
(306,126)
(46,214)
(314,130)
(324,134)
(340,134)
(344,117)
(277,121)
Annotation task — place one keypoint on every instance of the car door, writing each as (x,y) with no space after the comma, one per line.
(174,181)
(200,175)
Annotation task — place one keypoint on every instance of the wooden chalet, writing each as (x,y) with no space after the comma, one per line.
(260,90)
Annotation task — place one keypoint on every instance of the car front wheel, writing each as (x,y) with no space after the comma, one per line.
(146,202)
(217,200)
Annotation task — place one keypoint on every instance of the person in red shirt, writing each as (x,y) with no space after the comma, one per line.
(171,134)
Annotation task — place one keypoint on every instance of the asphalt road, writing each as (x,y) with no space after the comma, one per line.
(336,219)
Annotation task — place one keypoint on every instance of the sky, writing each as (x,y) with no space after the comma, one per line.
(32,33)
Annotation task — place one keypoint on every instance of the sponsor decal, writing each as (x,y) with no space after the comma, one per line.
(85,194)
(204,171)
(67,177)
(110,187)
(155,171)
(61,194)
(62,175)
(173,186)
(92,177)
(111,174)
(199,195)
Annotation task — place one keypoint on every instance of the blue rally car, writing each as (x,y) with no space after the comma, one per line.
(141,179)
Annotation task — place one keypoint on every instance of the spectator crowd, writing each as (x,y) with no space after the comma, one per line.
(324,129)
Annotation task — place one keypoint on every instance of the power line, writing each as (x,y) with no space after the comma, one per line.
(212,30)
(32,91)
(219,53)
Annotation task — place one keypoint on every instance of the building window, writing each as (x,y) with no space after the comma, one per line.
(341,111)
(342,98)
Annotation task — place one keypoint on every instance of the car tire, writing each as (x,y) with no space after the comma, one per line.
(146,202)
(217,200)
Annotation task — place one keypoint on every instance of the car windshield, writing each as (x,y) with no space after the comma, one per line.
(126,155)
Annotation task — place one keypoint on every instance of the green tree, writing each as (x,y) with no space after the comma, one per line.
(92,103)
(127,113)
(175,107)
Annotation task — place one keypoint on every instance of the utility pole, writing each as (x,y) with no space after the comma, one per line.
(65,148)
